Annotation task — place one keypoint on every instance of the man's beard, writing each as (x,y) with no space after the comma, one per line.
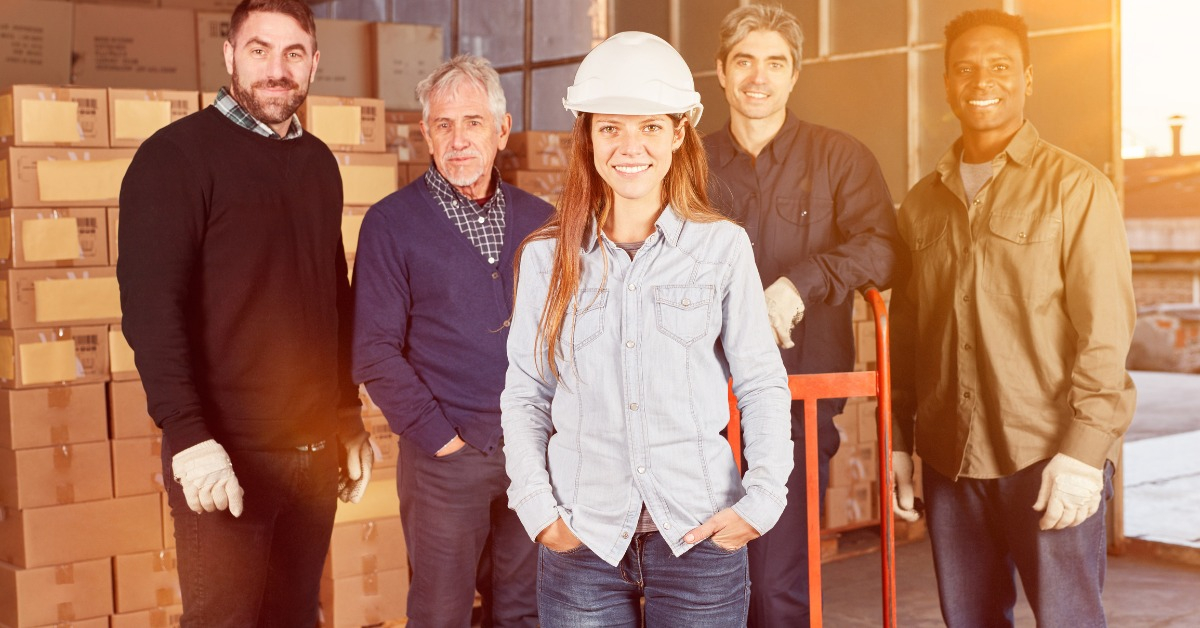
(463,178)
(266,109)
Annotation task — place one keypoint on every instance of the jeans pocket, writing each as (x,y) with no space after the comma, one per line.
(569,552)
(720,548)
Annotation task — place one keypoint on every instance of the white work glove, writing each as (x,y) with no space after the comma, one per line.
(354,477)
(785,308)
(903,504)
(1070,492)
(206,475)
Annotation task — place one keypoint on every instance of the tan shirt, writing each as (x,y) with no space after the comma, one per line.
(1011,328)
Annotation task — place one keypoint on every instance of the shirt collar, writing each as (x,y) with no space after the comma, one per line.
(779,147)
(1020,150)
(226,104)
(669,224)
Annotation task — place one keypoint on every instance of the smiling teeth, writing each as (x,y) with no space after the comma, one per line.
(630,169)
(983,103)
(755,94)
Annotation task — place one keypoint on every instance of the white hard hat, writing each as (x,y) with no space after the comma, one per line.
(634,73)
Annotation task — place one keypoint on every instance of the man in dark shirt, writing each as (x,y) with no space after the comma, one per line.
(236,303)
(433,288)
(821,219)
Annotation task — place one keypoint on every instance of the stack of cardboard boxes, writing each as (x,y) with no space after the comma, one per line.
(536,161)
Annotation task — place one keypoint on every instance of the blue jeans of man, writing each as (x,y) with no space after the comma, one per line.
(981,530)
(461,536)
(779,558)
(264,567)
(707,587)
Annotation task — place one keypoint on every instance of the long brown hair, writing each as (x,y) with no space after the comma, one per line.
(587,201)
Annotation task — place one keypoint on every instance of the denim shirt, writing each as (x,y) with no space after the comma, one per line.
(637,411)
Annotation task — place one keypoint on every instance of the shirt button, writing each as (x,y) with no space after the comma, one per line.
(978,201)
(495,275)
(685,302)
(633,406)
(491,260)
(666,526)
(482,219)
(507,323)
(624,535)
(967,395)
(966,298)
(641,469)
(632,287)
(631,344)
(967,346)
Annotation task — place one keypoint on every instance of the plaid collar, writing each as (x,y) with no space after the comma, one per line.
(446,193)
(232,110)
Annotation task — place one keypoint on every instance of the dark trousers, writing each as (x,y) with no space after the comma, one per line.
(983,530)
(264,567)
(461,536)
(779,558)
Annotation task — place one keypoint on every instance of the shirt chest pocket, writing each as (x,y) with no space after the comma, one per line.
(587,320)
(1021,255)
(683,313)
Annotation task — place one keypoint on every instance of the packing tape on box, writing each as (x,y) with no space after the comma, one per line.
(62,457)
(66,611)
(159,618)
(58,397)
(64,574)
(370,564)
(370,585)
(369,531)
(60,434)
(165,561)
(166,596)
(65,493)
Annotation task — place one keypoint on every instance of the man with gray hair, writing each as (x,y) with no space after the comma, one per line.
(433,289)
(818,211)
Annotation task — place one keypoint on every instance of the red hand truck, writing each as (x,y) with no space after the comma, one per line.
(810,388)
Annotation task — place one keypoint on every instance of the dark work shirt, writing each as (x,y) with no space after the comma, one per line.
(818,212)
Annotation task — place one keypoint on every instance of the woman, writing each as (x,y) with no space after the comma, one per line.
(634,305)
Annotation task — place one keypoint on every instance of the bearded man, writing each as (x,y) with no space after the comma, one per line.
(237,305)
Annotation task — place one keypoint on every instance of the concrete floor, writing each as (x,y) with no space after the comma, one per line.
(1138,592)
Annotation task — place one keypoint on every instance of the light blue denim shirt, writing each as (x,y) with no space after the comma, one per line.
(640,402)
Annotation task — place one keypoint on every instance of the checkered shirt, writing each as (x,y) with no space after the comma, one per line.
(483,226)
(232,110)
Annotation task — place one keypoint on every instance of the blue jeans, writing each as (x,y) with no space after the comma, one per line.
(461,536)
(981,530)
(779,559)
(264,567)
(706,587)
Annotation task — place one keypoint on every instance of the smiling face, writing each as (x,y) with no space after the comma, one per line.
(632,153)
(464,136)
(272,62)
(987,83)
(758,75)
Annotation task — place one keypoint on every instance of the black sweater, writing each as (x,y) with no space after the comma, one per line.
(233,285)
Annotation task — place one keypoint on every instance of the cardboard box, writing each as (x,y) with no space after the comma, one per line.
(345,124)
(120,356)
(404,54)
(536,150)
(145,581)
(50,238)
(854,464)
(852,505)
(366,547)
(167,617)
(113,214)
(368,408)
(137,467)
(35,42)
(38,537)
(134,47)
(127,413)
(365,600)
(135,114)
(546,184)
(864,343)
(406,140)
(43,115)
(207,99)
(42,417)
(50,476)
(346,68)
(54,596)
(62,177)
(868,425)
(412,172)
(379,502)
(43,297)
(847,426)
(225,6)
(212,29)
(385,439)
(47,357)
(352,218)
(367,177)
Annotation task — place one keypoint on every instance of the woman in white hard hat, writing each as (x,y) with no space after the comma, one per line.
(634,306)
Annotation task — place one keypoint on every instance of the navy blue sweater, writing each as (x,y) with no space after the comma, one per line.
(430,313)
